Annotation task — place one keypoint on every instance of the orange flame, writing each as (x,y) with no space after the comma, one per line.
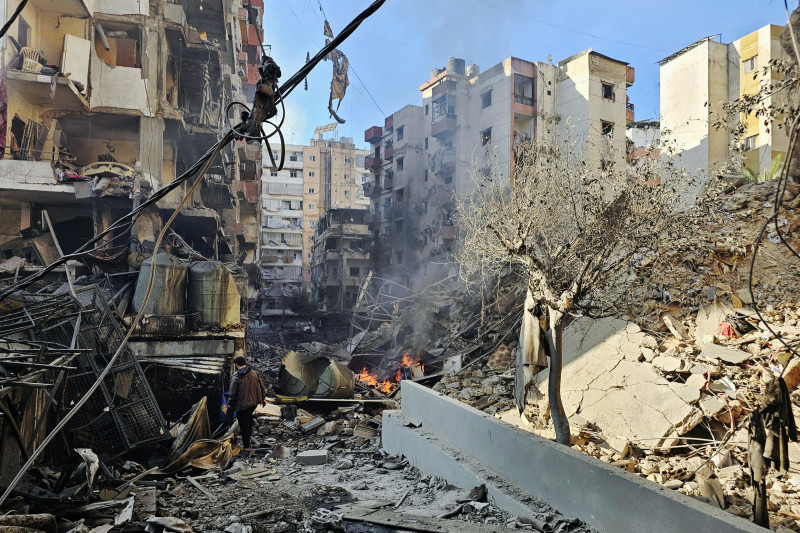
(371,381)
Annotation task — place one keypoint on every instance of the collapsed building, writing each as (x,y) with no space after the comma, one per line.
(107,102)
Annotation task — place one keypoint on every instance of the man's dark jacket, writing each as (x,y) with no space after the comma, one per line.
(247,389)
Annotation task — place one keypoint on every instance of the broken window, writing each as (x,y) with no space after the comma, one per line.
(354,271)
(448,180)
(398,196)
(486,99)
(750,143)
(426,143)
(608,91)
(399,163)
(523,89)
(400,133)
(486,136)
(749,65)
(398,258)
(607,128)
(119,44)
(425,175)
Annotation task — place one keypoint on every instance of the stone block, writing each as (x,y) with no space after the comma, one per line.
(312,457)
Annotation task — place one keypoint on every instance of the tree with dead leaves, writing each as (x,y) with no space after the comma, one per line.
(580,231)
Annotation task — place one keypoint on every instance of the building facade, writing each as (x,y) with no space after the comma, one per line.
(108,101)
(695,83)
(470,121)
(282,245)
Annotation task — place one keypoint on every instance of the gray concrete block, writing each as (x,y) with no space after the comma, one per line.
(607,498)
(312,457)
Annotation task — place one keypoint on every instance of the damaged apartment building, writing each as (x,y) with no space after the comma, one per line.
(108,101)
(423,156)
(327,174)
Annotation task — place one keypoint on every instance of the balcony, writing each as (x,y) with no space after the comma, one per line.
(444,126)
(375,190)
(388,152)
(629,113)
(629,76)
(448,232)
(443,161)
(372,162)
(398,210)
(69,8)
(388,124)
(373,134)
(35,88)
(249,191)
(388,182)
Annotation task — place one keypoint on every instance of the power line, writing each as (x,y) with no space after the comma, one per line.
(351,68)
(568,29)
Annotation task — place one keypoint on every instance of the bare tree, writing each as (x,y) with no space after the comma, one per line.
(579,229)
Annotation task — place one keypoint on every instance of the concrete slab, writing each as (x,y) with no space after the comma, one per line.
(605,382)
(468,447)
(312,457)
(729,355)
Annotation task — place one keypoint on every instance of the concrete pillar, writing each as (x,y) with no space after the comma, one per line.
(151,147)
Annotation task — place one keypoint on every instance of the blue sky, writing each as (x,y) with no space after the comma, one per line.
(394,51)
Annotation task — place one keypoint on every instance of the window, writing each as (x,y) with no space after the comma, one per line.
(523,89)
(425,175)
(426,143)
(607,128)
(399,163)
(346,193)
(398,258)
(311,190)
(311,174)
(486,136)
(750,143)
(424,240)
(347,176)
(273,173)
(293,157)
(608,91)
(549,92)
(354,271)
(400,133)
(749,65)
(426,110)
(347,160)
(310,207)
(448,180)
(293,174)
(398,196)
(312,158)
(24,33)
(425,207)
(486,99)
(398,226)
(309,255)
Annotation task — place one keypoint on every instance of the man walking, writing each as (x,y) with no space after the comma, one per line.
(246,392)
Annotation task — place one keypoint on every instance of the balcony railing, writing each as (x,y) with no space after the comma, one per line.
(373,134)
(630,75)
(372,162)
(444,126)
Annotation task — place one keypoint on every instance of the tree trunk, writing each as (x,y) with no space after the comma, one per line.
(555,338)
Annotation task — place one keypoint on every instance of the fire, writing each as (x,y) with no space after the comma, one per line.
(371,381)
(417,368)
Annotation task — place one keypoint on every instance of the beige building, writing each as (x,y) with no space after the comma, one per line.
(334,178)
(697,80)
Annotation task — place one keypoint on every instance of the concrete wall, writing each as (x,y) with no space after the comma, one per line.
(607,498)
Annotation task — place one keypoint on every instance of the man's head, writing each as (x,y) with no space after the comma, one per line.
(240,362)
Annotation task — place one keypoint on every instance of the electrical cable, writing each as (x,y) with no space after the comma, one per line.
(8,24)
